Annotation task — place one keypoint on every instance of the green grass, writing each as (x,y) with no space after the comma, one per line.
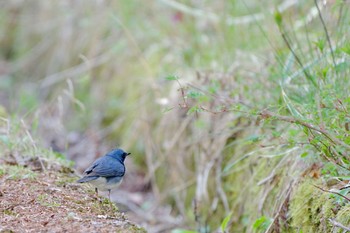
(16,172)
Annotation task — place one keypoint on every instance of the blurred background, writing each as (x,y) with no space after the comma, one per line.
(179,84)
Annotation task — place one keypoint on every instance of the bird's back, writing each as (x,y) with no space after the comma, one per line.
(105,166)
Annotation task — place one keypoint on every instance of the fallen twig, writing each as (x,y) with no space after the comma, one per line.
(338,224)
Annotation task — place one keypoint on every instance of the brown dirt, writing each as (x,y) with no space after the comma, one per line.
(51,202)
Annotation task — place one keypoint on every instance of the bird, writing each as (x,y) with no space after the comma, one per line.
(107,172)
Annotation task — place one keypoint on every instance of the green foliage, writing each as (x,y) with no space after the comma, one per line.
(224,222)
(320,44)
(262,223)
(278,18)
(172,78)
(339,199)
(194,94)
(330,170)
(346,48)
(194,109)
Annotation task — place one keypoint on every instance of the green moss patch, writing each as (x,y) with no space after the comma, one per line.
(311,209)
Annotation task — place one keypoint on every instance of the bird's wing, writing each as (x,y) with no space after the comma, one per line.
(106,167)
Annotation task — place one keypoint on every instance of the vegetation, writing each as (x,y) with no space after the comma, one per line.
(236,112)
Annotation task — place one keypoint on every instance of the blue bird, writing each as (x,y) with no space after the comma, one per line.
(107,172)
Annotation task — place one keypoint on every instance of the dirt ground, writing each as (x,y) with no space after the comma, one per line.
(51,201)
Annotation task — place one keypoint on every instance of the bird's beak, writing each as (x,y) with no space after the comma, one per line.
(128,153)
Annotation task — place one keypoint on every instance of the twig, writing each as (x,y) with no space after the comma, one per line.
(326,31)
(329,191)
(273,172)
(280,208)
(195,213)
(338,224)
(306,73)
(340,14)
(267,114)
(219,189)
(182,89)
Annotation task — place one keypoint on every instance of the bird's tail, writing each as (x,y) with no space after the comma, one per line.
(87,179)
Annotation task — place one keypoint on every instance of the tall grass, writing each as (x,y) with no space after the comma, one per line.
(313,97)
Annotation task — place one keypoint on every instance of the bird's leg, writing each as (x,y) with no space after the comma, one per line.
(109,197)
(97,198)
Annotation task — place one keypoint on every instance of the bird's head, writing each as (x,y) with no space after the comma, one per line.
(118,154)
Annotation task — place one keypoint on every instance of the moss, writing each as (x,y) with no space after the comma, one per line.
(2,171)
(254,201)
(48,201)
(135,229)
(9,212)
(343,215)
(321,211)
(310,208)
(105,206)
